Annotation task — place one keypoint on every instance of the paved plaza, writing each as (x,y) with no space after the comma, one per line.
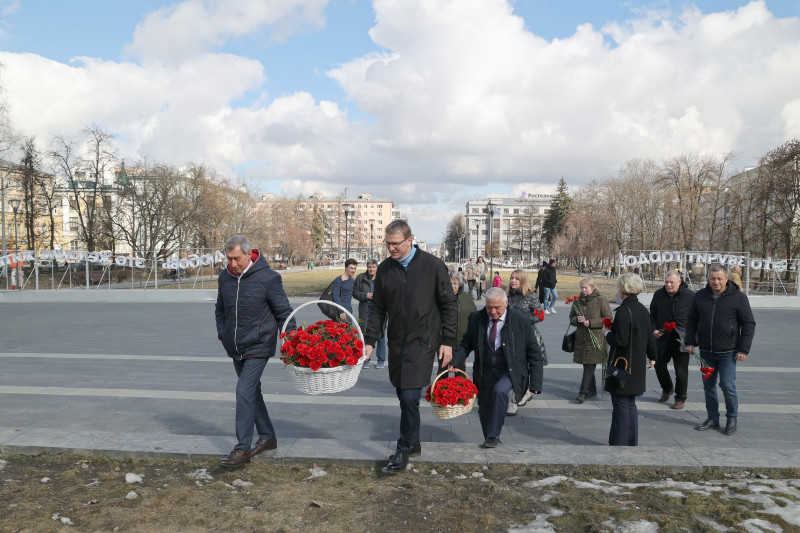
(145,379)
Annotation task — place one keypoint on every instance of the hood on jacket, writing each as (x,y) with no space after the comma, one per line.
(255,254)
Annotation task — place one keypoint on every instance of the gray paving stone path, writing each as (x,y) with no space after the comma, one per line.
(150,379)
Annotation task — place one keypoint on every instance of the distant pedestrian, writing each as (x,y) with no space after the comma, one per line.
(629,337)
(736,276)
(469,275)
(342,291)
(465,306)
(481,284)
(497,281)
(251,309)
(549,281)
(721,324)
(671,303)
(363,290)
(412,291)
(507,358)
(538,287)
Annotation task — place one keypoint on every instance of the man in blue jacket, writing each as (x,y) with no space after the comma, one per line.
(251,309)
(722,324)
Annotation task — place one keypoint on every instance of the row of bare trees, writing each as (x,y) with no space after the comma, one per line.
(688,202)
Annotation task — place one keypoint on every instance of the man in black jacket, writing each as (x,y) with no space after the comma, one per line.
(671,303)
(251,309)
(549,281)
(507,357)
(362,291)
(412,290)
(721,323)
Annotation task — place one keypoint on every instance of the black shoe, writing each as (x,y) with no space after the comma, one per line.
(236,458)
(708,424)
(415,450)
(491,442)
(730,427)
(397,462)
(580,398)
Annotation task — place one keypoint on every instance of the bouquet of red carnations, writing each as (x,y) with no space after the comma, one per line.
(324,344)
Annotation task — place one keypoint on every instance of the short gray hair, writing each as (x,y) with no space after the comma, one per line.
(672,274)
(495,293)
(238,241)
(716,267)
(372,262)
(398,226)
(630,284)
(456,275)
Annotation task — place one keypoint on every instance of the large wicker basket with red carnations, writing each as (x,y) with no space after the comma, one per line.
(451,396)
(324,357)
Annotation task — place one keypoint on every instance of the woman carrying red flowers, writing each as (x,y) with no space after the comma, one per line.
(629,337)
(523,299)
(587,314)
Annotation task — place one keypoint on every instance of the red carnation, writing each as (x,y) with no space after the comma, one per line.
(607,322)
(669,326)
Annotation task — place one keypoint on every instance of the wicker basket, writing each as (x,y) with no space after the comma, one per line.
(451,411)
(325,380)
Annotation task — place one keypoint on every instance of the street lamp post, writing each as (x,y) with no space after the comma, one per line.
(477,237)
(371,226)
(347,212)
(490,211)
(15,206)
(3,215)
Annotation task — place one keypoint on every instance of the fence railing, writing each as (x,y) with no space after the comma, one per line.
(77,269)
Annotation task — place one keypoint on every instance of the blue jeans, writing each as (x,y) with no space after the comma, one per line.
(548,304)
(250,407)
(725,368)
(380,346)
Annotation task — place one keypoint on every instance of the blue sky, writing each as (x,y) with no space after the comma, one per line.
(428,103)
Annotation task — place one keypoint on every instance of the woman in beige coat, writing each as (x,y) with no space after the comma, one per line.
(587,313)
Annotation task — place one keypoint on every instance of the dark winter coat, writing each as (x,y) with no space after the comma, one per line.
(722,325)
(362,287)
(674,308)
(527,305)
(633,339)
(465,306)
(421,308)
(251,310)
(522,352)
(594,307)
(548,279)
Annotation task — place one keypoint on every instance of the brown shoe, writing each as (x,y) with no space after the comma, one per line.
(235,458)
(665,396)
(264,445)
(678,404)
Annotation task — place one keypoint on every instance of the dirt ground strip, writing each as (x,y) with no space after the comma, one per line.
(67,492)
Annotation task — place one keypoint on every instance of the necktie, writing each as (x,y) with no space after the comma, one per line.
(493,333)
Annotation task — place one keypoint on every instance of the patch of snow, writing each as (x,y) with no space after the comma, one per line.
(434,473)
(540,524)
(3,464)
(756,525)
(790,513)
(45,480)
(461,476)
(240,483)
(713,524)
(316,472)
(546,482)
(131,495)
(132,478)
(672,493)
(640,526)
(201,476)
(477,474)
(66,521)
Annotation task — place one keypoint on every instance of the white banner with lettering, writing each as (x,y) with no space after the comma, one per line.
(107,258)
(728,259)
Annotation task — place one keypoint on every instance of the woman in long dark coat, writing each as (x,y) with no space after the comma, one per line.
(631,337)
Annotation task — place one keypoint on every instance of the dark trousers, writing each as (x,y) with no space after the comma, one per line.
(250,407)
(470,286)
(589,383)
(680,361)
(624,421)
(409,418)
(493,393)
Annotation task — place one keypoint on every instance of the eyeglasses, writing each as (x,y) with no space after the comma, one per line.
(394,244)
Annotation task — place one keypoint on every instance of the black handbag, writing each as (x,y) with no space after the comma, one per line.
(568,343)
(618,368)
(617,372)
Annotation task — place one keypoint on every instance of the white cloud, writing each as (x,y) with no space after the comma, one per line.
(193,27)
(460,97)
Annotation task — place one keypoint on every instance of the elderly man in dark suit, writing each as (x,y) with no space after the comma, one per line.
(507,357)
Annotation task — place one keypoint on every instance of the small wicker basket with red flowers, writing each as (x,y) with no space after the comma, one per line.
(451,396)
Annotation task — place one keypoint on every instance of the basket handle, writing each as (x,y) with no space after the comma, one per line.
(355,321)
(446,371)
